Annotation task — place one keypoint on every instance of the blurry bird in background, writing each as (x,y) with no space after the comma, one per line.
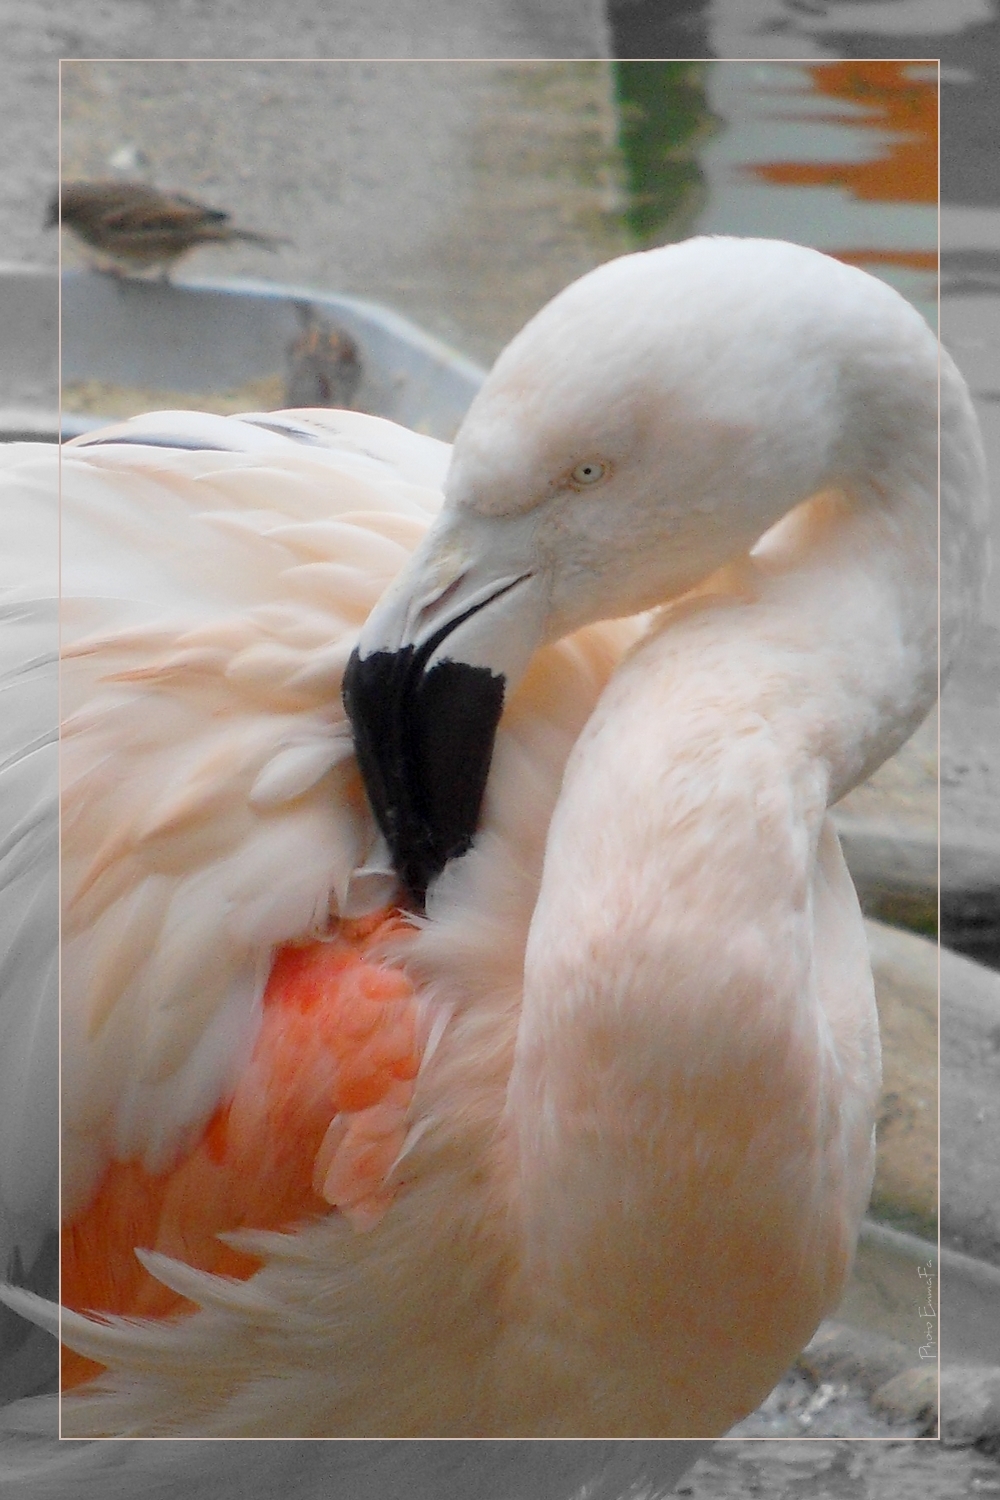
(323,368)
(134,226)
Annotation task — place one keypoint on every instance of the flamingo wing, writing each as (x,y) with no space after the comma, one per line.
(211,810)
(240,1045)
(214,575)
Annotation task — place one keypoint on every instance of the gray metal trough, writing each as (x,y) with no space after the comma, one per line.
(201,337)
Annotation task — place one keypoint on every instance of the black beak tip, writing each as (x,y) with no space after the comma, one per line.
(424,741)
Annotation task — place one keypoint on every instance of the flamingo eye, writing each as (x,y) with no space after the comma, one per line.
(589,472)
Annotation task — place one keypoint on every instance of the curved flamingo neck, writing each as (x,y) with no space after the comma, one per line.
(697,1064)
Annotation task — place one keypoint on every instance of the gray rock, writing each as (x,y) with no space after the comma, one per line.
(889,826)
(840,1353)
(906,976)
(970,1107)
(906,1173)
(964,1407)
(970,1406)
(970,1293)
(970,799)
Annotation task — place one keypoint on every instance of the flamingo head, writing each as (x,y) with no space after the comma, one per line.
(645,427)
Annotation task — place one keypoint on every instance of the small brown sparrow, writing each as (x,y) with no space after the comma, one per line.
(323,364)
(135,226)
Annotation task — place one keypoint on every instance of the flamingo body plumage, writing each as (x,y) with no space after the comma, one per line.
(583,1149)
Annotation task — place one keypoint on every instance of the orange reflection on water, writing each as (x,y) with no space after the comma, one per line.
(903,110)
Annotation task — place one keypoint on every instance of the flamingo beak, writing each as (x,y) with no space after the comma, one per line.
(426,685)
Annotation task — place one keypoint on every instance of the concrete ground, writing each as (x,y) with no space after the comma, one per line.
(374,169)
(464,194)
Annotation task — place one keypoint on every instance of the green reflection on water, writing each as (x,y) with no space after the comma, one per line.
(663,117)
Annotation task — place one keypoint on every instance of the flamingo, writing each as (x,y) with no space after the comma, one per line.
(491,1052)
